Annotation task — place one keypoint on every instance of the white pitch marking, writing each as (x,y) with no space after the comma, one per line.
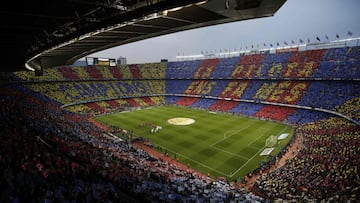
(243,157)
(253,156)
(206,166)
(246,163)
(235,132)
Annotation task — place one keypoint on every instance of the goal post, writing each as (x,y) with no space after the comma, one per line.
(271,141)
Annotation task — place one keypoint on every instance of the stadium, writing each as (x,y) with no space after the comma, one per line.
(256,125)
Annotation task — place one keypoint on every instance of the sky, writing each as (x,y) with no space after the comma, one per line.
(296,19)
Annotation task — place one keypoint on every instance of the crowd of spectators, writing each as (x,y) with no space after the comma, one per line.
(326,168)
(93,73)
(116,105)
(93,84)
(51,155)
(298,93)
(334,63)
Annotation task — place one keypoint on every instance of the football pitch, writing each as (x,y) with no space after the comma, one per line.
(219,144)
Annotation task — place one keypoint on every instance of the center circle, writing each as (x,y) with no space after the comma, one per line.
(181,121)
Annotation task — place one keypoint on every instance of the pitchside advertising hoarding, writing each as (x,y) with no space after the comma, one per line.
(95,61)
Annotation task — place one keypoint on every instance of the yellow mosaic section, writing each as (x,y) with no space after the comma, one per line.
(265,90)
(72,92)
(350,108)
(153,70)
(50,74)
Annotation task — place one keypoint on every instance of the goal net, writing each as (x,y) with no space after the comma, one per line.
(271,141)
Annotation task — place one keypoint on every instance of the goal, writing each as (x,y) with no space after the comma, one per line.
(271,141)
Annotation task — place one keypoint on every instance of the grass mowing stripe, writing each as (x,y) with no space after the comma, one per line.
(255,140)
(233,132)
(243,157)
(194,161)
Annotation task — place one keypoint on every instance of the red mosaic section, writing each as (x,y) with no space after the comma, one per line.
(277,113)
(69,73)
(135,71)
(113,103)
(132,102)
(186,101)
(206,68)
(148,101)
(116,72)
(94,73)
(96,107)
(247,66)
(303,64)
(223,105)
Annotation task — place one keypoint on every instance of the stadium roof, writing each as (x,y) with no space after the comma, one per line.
(44,34)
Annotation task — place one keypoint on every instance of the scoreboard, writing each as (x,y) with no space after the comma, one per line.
(95,61)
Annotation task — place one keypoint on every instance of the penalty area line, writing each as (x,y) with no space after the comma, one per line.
(253,156)
(246,163)
(255,140)
(233,132)
(236,155)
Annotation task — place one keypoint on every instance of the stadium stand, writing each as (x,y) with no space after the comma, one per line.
(49,119)
(116,72)
(182,69)
(69,73)
(325,168)
(94,72)
(222,69)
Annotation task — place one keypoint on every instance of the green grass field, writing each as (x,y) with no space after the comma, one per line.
(219,144)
